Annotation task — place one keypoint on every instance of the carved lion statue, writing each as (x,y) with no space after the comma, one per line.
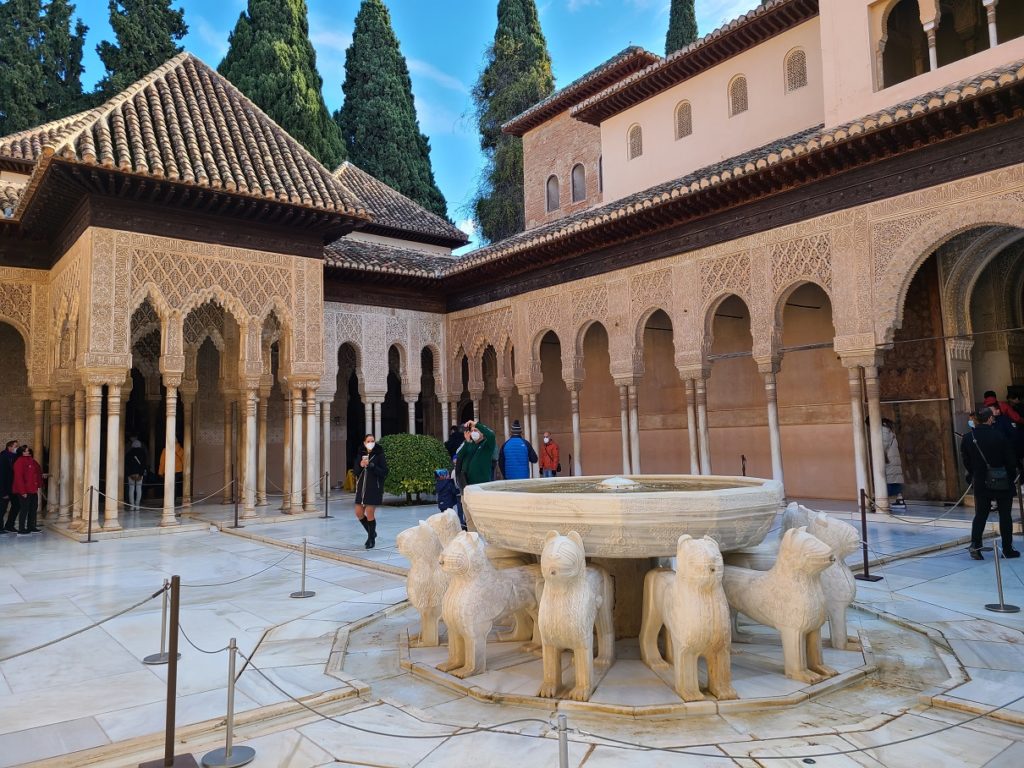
(477,595)
(790,598)
(426,582)
(690,603)
(446,525)
(576,598)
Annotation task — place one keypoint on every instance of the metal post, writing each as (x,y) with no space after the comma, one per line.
(162,657)
(563,743)
(1001,606)
(231,756)
(327,495)
(169,760)
(88,538)
(234,497)
(303,592)
(866,575)
(743,464)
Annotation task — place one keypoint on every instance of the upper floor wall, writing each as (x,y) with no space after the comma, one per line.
(764,93)
(561,169)
(877,53)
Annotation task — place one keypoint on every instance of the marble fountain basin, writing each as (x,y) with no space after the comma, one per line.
(637,516)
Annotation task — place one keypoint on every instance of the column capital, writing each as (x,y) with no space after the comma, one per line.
(766,365)
(98,377)
(172,380)
(694,372)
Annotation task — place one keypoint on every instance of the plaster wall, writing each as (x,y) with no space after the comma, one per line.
(553,148)
(16,416)
(772,114)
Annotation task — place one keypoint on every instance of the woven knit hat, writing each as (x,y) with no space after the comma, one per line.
(517,428)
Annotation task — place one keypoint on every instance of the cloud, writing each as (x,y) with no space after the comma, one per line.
(430,72)
(575,5)
(436,119)
(215,39)
(468,226)
(332,41)
(714,13)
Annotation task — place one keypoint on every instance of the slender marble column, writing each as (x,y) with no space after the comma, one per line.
(993,32)
(113,492)
(703,433)
(325,445)
(860,457)
(691,428)
(64,481)
(187,402)
(624,427)
(533,416)
(152,410)
(251,405)
(577,439)
(871,385)
(312,484)
(634,429)
(378,407)
(412,414)
(527,429)
(368,427)
(504,416)
(93,415)
(297,453)
(933,54)
(261,448)
(126,390)
(774,434)
(78,471)
(446,418)
(286,481)
(37,433)
(229,473)
(167,519)
(53,465)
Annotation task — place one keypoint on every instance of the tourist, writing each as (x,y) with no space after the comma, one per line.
(549,463)
(991,401)
(990,463)
(893,463)
(179,465)
(371,468)
(454,441)
(28,479)
(8,500)
(516,455)
(475,454)
(135,462)
(448,496)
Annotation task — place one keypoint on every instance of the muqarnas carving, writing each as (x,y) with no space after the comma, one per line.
(477,595)
(690,604)
(790,598)
(576,599)
(426,582)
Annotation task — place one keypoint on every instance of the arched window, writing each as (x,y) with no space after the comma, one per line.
(796,69)
(684,119)
(636,142)
(962,30)
(600,173)
(579,183)
(904,47)
(552,193)
(737,95)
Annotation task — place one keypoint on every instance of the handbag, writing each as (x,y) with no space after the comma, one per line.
(996,478)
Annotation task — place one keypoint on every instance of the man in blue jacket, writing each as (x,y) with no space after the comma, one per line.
(516,455)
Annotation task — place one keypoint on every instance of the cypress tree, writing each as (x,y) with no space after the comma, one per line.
(378,119)
(682,26)
(61,55)
(517,75)
(146,32)
(271,60)
(21,71)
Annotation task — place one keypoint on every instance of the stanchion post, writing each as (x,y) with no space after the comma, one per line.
(563,743)
(1002,606)
(327,495)
(866,575)
(743,464)
(234,497)
(303,592)
(169,760)
(88,538)
(231,756)
(162,657)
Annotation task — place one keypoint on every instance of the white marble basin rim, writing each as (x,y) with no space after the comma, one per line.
(516,514)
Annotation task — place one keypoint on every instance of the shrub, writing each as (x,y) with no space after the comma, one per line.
(412,460)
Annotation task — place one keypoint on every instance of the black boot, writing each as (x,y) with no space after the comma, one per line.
(372,530)
(366,525)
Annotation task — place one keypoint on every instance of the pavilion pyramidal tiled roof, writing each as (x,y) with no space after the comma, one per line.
(186,123)
(363,256)
(393,211)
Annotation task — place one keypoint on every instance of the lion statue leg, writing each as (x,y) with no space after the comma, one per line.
(456,651)
(794,655)
(476,650)
(429,636)
(583,663)
(605,624)
(552,664)
(652,620)
(837,627)
(686,675)
(720,674)
(815,660)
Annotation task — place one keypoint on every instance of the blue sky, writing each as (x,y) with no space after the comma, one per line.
(444,43)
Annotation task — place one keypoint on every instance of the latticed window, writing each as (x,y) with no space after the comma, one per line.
(636,142)
(684,119)
(579,183)
(552,193)
(796,70)
(737,95)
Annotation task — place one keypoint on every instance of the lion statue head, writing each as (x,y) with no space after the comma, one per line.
(465,554)
(419,542)
(840,536)
(699,561)
(563,557)
(804,552)
(446,525)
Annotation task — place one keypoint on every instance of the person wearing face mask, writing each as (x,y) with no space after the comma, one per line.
(475,455)
(549,461)
(370,468)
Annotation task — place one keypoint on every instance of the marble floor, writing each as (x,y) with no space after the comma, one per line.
(89,700)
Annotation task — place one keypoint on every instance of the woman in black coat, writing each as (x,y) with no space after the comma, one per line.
(370,468)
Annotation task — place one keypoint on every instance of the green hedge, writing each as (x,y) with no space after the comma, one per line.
(412,460)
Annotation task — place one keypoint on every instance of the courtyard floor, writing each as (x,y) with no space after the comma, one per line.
(941,660)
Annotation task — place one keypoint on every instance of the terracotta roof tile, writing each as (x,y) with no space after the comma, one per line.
(394,211)
(185,122)
(347,253)
(10,194)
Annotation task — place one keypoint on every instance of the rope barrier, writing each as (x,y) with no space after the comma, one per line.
(85,629)
(201,650)
(235,581)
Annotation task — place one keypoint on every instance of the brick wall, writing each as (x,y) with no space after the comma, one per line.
(554,148)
